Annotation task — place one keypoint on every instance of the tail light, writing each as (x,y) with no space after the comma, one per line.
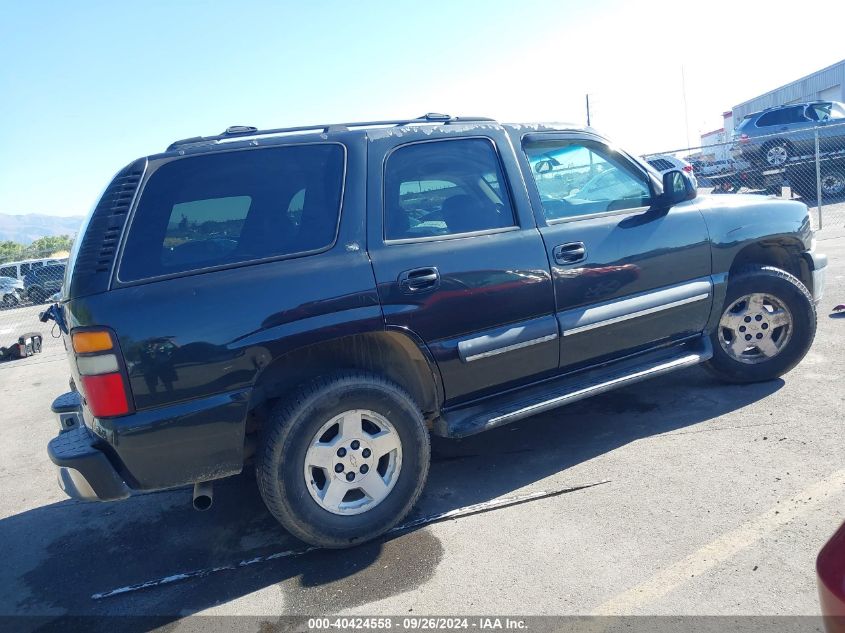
(744,138)
(688,169)
(103,378)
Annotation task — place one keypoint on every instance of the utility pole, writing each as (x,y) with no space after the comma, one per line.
(588,110)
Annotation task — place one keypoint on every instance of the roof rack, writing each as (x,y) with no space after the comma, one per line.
(245,130)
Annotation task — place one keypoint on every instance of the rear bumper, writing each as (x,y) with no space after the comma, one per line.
(84,470)
(167,447)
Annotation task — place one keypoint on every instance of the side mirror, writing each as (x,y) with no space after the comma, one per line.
(677,187)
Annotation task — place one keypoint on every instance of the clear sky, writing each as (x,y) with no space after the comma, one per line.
(85,87)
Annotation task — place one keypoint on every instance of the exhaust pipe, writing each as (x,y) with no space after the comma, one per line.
(203,495)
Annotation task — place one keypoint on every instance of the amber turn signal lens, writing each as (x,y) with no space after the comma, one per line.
(88,342)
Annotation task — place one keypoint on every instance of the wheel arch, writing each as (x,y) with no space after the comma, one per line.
(397,355)
(783,252)
(778,141)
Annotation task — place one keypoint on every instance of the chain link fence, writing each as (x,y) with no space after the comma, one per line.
(800,161)
(28,281)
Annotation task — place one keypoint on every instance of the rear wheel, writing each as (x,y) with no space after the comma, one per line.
(767,326)
(776,153)
(344,460)
(833,182)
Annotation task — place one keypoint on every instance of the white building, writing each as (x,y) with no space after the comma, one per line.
(714,145)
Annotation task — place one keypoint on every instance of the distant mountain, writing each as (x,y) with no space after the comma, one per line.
(27,228)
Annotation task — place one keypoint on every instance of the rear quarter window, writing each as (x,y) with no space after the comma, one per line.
(227,208)
(661,164)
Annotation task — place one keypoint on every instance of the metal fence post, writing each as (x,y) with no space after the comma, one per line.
(818,177)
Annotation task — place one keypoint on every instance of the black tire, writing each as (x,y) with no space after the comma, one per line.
(833,182)
(10,301)
(795,296)
(286,437)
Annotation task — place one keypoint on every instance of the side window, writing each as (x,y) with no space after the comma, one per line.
(228,207)
(577,178)
(825,111)
(8,271)
(769,119)
(444,188)
(660,164)
(796,115)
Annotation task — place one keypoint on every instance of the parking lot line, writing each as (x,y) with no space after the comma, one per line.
(724,547)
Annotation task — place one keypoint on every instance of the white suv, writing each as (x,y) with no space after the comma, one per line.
(664,162)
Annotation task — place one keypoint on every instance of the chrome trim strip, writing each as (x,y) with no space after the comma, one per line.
(639,313)
(510,348)
(690,359)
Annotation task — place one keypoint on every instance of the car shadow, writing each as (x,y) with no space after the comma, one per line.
(60,555)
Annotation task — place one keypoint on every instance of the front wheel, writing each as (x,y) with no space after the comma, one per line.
(767,326)
(344,460)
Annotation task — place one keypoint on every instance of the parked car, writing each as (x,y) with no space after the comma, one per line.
(322,299)
(830,569)
(773,136)
(717,167)
(666,162)
(42,282)
(11,291)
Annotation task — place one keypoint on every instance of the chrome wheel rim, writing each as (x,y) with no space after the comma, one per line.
(353,462)
(776,155)
(755,328)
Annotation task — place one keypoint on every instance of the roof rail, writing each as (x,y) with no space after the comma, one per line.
(245,130)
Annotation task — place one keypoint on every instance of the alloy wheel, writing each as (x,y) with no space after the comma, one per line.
(755,328)
(776,155)
(353,462)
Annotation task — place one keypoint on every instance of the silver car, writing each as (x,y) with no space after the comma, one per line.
(772,137)
(11,292)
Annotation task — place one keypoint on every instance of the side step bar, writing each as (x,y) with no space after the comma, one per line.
(510,407)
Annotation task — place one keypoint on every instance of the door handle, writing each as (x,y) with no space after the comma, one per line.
(570,253)
(419,279)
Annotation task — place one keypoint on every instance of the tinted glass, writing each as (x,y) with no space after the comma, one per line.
(444,188)
(231,207)
(781,116)
(582,177)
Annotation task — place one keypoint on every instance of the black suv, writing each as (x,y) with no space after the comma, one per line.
(321,300)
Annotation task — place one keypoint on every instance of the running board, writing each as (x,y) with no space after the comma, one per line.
(512,406)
